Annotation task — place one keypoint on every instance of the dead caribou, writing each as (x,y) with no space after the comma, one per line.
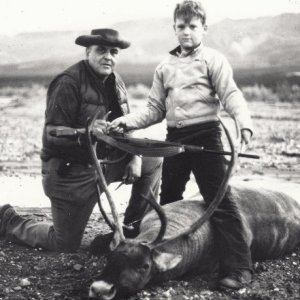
(173,240)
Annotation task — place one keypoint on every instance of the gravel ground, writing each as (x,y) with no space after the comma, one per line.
(36,274)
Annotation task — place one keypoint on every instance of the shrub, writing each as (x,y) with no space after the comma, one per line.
(139,91)
(287,92)
(259,93)
(281,92)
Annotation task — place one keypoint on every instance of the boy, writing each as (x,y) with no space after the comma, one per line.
(184,92)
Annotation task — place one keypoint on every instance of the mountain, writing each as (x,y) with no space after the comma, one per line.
(260,42)
(248,43)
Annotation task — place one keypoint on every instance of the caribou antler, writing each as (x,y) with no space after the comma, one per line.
(162,217)
(119,236)
(219,195)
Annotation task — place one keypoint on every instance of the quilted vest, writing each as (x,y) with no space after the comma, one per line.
(92,95)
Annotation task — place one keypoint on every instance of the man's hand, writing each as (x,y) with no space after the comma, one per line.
(117,126)
(133,170)
(246,139)
(100,127)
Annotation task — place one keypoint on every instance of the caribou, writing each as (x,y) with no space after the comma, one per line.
(174,240)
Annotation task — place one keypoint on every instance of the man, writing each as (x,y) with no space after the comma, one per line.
(68,176)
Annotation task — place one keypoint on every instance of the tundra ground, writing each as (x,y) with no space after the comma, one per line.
(37,274)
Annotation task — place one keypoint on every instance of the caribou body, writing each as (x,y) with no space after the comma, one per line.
(271,219)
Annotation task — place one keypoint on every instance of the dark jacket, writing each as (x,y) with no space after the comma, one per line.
(73,97)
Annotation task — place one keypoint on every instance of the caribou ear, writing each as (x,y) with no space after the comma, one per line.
(165,261)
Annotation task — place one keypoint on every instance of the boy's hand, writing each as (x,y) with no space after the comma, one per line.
(133,170)
(246,139)
(101,127)
(117,126)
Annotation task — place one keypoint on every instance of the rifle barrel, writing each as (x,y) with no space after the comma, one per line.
(192,148)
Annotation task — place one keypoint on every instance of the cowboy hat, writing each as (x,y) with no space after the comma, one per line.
(103,36)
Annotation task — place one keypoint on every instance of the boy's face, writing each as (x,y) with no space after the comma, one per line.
(190,33)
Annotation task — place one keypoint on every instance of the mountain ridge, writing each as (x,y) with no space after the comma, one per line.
(247,43)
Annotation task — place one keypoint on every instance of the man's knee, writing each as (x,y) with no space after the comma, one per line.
(151,165)
(66,243)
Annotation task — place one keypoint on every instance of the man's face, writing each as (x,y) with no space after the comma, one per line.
(189,33)
(102,59)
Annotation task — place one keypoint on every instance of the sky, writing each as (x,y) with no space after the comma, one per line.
(18,16)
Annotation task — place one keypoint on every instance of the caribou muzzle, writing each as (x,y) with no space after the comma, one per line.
(102,290)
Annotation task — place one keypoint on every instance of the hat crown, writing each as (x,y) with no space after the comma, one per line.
(105,31)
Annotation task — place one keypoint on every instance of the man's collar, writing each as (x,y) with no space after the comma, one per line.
(177,50)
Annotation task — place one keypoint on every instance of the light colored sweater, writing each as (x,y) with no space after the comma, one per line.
(189,90)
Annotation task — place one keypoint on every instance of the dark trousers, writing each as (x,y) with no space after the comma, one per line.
(73,195)
(209,170)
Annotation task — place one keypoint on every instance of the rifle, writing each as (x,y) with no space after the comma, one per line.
(143,146)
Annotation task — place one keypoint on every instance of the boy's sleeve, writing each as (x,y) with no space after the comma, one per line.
(155,111)
(230,95)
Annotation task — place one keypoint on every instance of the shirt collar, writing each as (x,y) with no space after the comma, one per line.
(177,51)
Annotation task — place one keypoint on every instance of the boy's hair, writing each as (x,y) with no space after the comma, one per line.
(189,9)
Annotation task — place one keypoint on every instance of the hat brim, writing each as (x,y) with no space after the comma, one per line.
(89,40)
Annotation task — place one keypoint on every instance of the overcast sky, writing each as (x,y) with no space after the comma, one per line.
(46,15)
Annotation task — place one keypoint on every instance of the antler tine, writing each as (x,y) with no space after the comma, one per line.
(219,195)
(92,148)
(100,176)
(105,216)
(162,217)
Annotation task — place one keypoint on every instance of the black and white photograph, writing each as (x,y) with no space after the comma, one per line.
(149,150)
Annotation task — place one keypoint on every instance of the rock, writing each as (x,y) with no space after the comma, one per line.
(185,283)
(206,293)
(166,294)
(172,291)
(56,295)
(78,267)
(145,294)
(255,284)
(25,282)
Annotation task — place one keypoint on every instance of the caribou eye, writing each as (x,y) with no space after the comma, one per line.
(112,290)
(144,267)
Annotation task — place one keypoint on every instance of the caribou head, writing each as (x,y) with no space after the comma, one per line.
(132,263)
(129,268)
